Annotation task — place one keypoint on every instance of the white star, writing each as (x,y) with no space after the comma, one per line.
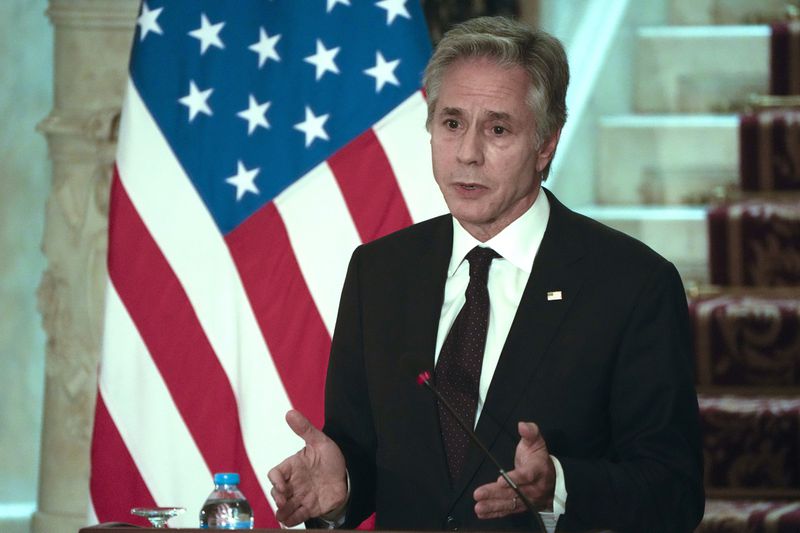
(313,127)
(147,21)
(265,47)
(332,4)
(393,9)
(244,180)
(208,34)
(323,60)
(196,101)
(255,115)
(383,72)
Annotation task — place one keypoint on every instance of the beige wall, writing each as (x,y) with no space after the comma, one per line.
(25,99)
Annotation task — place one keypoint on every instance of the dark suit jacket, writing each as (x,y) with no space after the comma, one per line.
(605,372)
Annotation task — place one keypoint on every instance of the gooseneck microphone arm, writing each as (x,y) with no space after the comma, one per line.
(424,378)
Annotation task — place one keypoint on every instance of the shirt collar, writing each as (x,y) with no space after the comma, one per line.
(518,243)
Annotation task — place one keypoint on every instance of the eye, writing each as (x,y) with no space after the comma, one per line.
(498,130)
(451,124)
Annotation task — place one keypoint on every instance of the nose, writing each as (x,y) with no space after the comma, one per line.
(470,151)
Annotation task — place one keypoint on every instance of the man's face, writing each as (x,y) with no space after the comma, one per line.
(483,144)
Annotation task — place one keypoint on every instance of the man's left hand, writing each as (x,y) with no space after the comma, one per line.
(533,473)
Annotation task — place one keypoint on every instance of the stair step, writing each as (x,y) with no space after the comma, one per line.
(696,12)
(747,516)
(665,159)
(699,69)
(770,159)
(756,242)
(677,233)
(751,445)
(747,340)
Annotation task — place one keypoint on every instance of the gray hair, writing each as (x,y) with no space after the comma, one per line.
(509,43)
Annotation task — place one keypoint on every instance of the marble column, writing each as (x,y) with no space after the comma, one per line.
(92,39)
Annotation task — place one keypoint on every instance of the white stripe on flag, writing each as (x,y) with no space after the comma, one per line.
(142,409)
(407,145)
(322,234)
(91,514)
(187,236)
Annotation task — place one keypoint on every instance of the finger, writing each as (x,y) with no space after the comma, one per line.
(522,476)
(279,497)
(499,490)
(498,508)
(530,475)
(288,513)
(277,478)
(529,431)
(286,521)
(298,516)
(303,428)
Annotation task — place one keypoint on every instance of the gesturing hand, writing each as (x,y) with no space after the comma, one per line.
(311,482)
(533,472)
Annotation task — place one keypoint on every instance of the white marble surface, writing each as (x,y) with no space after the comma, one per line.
(724,11)
(677,233)
(25,99)
(665,159)
(697,69)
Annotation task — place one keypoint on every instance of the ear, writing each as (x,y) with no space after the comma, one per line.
(547,150)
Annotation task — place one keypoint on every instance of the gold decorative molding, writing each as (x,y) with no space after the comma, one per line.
(707,291)
(759,102)
(790,11)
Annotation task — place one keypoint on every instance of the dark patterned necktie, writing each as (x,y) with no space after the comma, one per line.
(458,369)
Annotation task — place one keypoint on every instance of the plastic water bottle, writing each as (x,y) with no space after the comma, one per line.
(226,507)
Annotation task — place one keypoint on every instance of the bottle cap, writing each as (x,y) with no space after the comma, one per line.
(226,478)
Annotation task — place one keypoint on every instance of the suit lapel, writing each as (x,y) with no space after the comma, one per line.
(557,267)
(427,273)
(426,270)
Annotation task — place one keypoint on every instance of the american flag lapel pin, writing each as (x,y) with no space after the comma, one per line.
(554,295)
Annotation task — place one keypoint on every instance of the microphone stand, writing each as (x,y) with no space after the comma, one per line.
(424,378)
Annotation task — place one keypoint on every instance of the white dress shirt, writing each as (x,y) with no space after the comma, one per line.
(517,245)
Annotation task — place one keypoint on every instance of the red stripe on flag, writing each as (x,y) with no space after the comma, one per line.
(289,320)
(163,314)
(369,187)
(115,485)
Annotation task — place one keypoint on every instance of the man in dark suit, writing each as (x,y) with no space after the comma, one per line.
(563,342)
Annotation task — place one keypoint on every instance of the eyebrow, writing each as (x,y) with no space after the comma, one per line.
(457,112)
(451,111)
(499,115)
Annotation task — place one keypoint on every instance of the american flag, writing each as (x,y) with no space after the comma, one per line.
(260,142)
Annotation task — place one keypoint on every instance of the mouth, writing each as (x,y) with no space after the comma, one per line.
(469,186)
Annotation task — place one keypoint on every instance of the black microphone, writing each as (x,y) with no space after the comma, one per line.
(424,378)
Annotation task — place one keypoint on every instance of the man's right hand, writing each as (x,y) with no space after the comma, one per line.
(312,482)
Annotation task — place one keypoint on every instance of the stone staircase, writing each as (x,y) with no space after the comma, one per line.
(660,173)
